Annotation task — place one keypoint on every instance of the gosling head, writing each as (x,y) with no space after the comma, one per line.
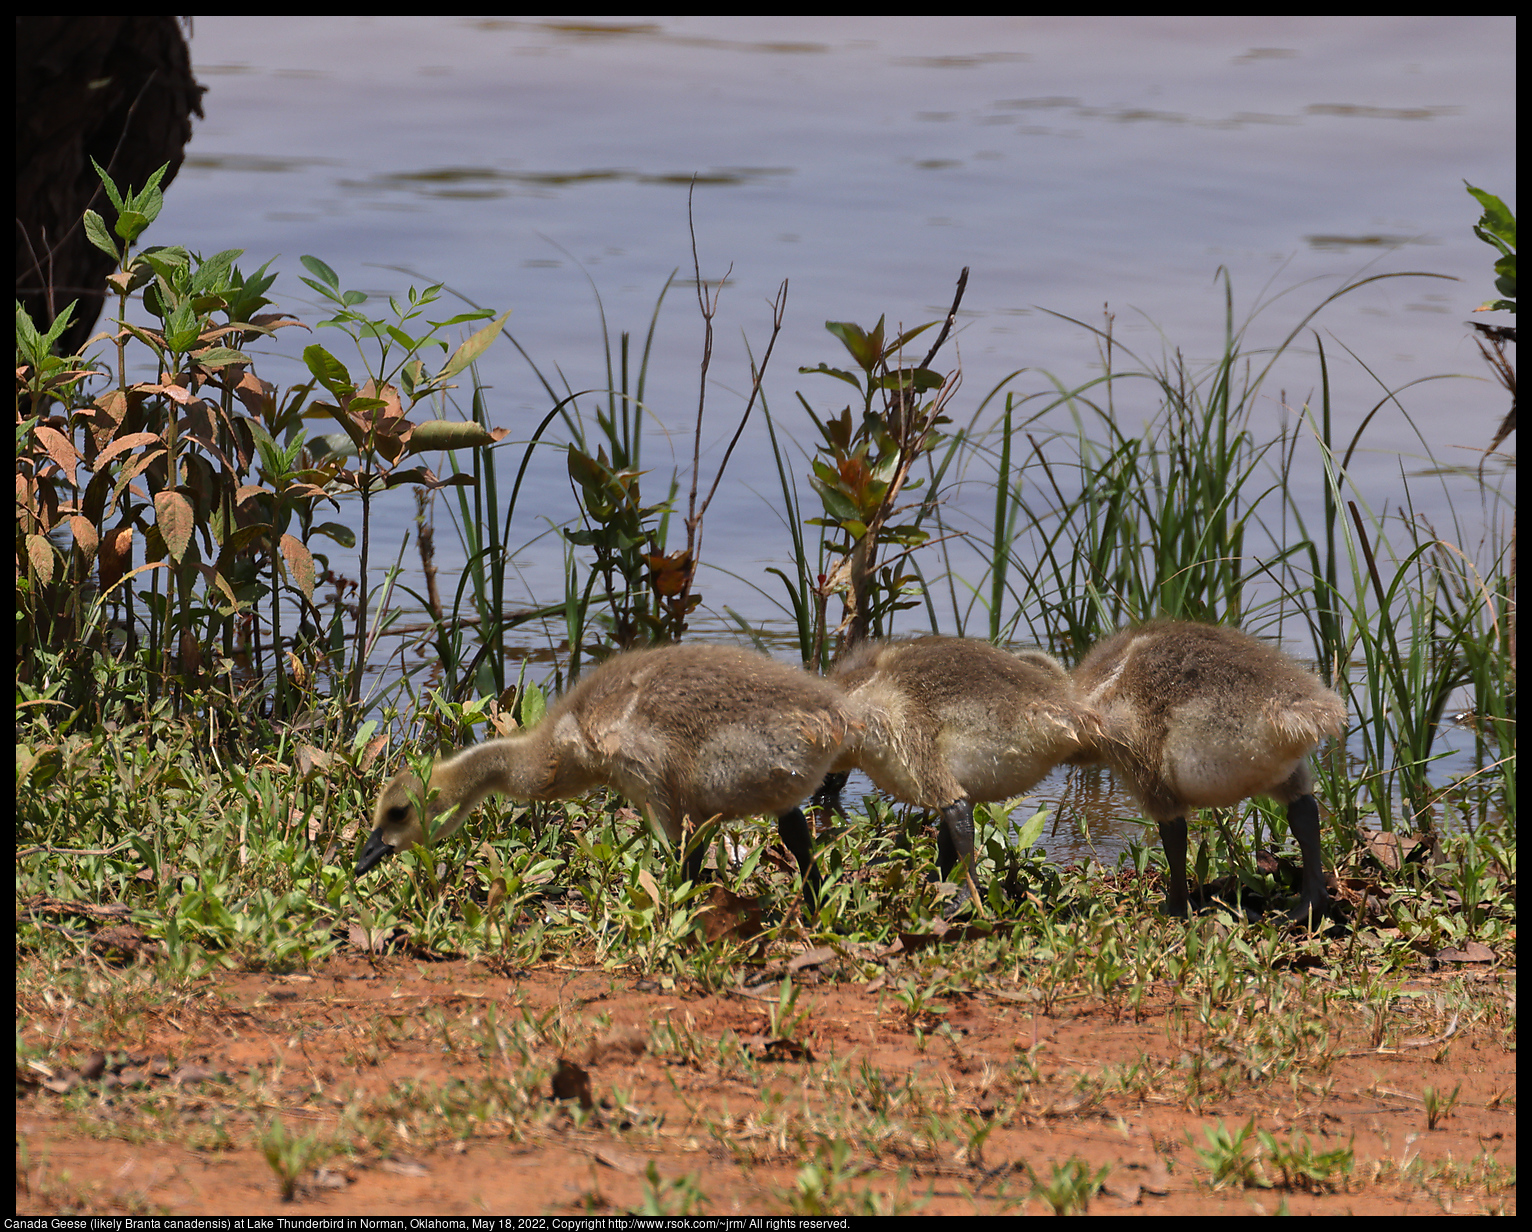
(395,821)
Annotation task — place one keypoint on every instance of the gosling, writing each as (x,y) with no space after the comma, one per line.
(690,732)
(1201,716)
(948,721)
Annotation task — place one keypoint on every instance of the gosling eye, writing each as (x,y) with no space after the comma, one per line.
(397,814)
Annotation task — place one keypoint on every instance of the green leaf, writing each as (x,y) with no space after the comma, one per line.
(342,535)
(410,379)
(473,346)
(137,210)
(908,536)
(449,434)
(37,349)
(131,224)
(150,202)
(257,283)
(29,346)
(908,334)
(422,474)
(271,453)
(107,183)
(221,357)
(328,292)
(96,232)
(60,324)
(182,329)
(919,379)
(1031,831)
(1498,221)
(213,276)
(171,265)
(1497,227)
(866,348)
(321,271)
(836,372)
(402,338)
(836,505)
(153,182)
(531,707)
(328,370)
(464,317)
(587,471)
(826,473)
(1505,282)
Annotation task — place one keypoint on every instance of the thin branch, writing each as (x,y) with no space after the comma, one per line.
(778,311)
(962,285)
(708,311)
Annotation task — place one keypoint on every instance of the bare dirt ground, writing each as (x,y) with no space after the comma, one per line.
(691,1106)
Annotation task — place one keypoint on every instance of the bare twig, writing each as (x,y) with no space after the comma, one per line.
(757,375)
(73,851)
(962,285)
(1452,1029)
(709,308)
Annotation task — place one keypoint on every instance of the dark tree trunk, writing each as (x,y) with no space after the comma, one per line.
(117,89)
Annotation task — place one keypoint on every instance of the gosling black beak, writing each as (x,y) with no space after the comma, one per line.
(373,852)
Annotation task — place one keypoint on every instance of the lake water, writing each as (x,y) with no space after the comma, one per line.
(1071,162)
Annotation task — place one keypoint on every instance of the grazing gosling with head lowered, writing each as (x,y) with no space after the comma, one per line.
(1201,716)
(688,731)
(948,721)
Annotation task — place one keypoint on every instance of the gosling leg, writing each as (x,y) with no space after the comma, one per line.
(1173,840)
(1314,903)
(954,852)
(827,797)
(794,829)
(691,867)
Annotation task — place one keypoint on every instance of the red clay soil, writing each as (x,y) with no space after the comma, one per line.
(168,1123)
